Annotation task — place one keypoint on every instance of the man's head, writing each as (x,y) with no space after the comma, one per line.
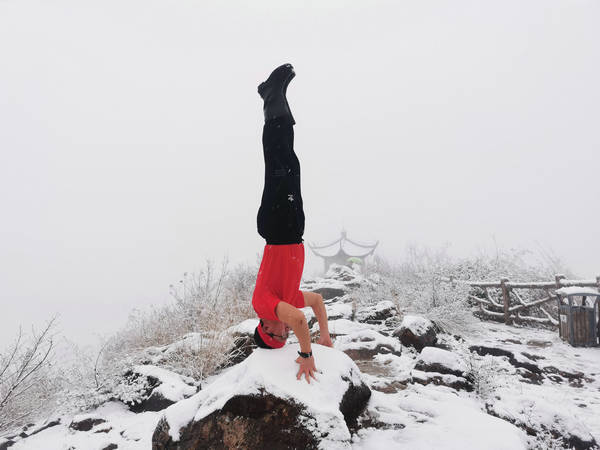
(271,333)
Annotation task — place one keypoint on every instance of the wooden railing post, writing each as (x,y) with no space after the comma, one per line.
(506,300)
(598,282)
(557,279)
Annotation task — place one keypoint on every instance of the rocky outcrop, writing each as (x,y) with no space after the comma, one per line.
(152,388)
(330,293)
(365,344)
(260,404)
(531,373)
(416,332)
(378,313)
(441,367)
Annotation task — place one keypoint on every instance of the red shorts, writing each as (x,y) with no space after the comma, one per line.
(278,279)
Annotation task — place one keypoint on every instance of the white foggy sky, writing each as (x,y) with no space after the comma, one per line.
(130,137)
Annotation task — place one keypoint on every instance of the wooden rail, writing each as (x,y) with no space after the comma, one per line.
(510,305)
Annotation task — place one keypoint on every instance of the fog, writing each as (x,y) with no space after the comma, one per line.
(130,132)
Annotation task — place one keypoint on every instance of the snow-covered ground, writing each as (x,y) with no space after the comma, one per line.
(524,380)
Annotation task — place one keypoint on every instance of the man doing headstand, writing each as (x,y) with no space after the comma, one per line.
(280,221)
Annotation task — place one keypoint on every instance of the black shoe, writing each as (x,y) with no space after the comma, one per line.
(273,91)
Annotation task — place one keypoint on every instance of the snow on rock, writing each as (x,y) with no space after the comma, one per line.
(247,395)
(246,327)
(366,343)
(448,362)
(417,332)
(341,272)
(152,388)
(339,311)
(121,429)
(418,325)
(343,326)
(426,417)
(85,422)
(338,281)
(173,387)
(377,313)
(539,411)
(442,368)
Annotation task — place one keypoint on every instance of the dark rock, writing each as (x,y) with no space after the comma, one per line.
(154,402)
(483,350)
(377,314)
(329,293)
(149,397)
(45,426)
(533,357)
(111,447)
(438,368)
(390,387)
(368,354)
(86,424)
(243,346)
(451,381)
(410,337)
(538,343)
(559,376)
(245,421)
(353,402)
(6,444)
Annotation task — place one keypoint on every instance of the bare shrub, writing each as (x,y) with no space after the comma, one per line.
(418,285)
(204,305)
(421,282)
(26,387)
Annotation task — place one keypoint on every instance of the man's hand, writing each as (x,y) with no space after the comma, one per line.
(307,367)
(326,341)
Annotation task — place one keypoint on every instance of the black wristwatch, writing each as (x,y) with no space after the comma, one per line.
(305,355)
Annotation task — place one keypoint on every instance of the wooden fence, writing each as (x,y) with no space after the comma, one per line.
(510,306)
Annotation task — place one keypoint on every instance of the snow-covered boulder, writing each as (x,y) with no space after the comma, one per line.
(243,328)
(434,359)
(260,404)
(152,388)
(377,313)
(27,431)
(441,367)
(343,326)
(365,344)
(341,272)
(329,293)
(417,332)
(243,342)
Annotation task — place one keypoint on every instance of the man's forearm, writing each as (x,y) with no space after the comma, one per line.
(321,314)
(300,328)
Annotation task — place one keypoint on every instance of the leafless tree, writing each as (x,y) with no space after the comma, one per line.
(23,375)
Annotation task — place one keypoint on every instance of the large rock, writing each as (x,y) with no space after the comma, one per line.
(417,332)
(260,404)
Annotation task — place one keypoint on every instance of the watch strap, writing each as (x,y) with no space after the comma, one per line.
(305,355)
